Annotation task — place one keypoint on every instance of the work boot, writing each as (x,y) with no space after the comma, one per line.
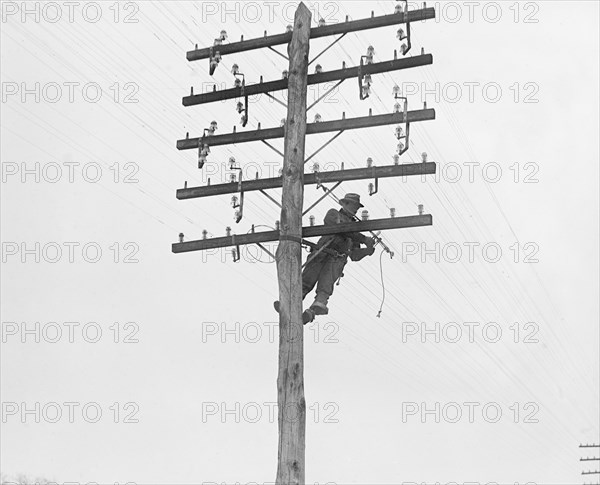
(319,308)
(308,316)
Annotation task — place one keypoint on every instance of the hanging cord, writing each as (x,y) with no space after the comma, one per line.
(382,283)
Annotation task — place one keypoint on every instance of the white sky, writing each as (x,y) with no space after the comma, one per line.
(368,372)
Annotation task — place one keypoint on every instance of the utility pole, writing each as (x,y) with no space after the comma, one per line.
(589,459)
(290,379)
(289,230)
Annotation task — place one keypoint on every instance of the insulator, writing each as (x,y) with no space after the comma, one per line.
(420,209)
(244,119)
(400,34)
(369,162)
(213,62)
(234,253)
(404,48)
(228,231)
(218,57)
(234,200)
(318,69)
(218,41)
(201,160)
(240,107)
(400,147)
(368,81)
(204,233)
(289,28)
(213,126)
(236,215)
(424,157)
(277,225)
(231,163)
(322,22)
(282,122)
(232,177)
(366,90)
(284,74)
(392,212)
(237,83)
(223,35)
(397,108)
(396,90)
(311,220)
(398,8)
(396,158)
(371,188)
(315,167)
(399,132)
(181,237)
(365,215)
(318,118)
(370,54)
(280,172)
(235,69)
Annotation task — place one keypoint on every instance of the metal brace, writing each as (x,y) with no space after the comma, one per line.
(324,145)
(211,66)
(269,197)
(406,136)
(407,36)
(243,93)
(327,192)
(360,79)
(240,212)
(245,117)
(203,150)
(373,189)
(262,247)
(236,251)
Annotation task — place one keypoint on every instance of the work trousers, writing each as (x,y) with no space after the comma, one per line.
(323,270)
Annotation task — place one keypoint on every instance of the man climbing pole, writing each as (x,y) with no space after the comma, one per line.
(326,261)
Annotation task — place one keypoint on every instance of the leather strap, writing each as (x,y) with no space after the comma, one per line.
(286,237)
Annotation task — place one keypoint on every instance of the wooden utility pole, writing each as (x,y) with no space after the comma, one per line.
(290,233)
(588,459)
(290,379)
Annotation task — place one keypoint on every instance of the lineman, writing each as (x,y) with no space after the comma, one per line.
(325,264)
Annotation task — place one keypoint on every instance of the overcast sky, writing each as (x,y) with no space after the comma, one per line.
(181,357)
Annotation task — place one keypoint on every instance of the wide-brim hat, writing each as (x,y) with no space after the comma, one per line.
(352,199)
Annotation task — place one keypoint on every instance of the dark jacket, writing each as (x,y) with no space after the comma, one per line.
(346,243)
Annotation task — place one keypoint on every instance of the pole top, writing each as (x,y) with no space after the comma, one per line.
(303,10)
